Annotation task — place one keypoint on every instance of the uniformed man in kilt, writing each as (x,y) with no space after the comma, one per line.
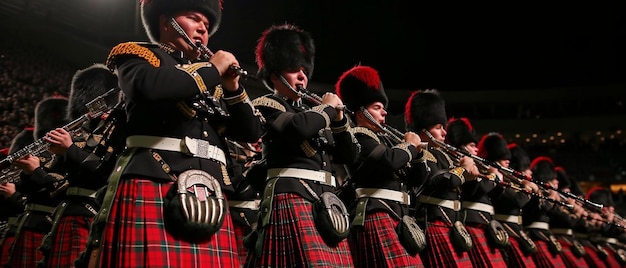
(43,181)
(302,222)
(380,188)
(165,204)
(438,207)
(508,203)
(73,216)
(536,215)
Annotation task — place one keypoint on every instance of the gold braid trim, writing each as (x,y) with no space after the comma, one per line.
(218,93)
(186,110)
(366,131)
(405,147)
(268,102)
(131,48)
(428,156)
(192,70)
(340,129)
(308,149)
(458,171)
(225,175)
(236,99)
(319,109)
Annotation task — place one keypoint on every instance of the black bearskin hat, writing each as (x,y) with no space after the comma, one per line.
(151,10)
(88,84)
(50,114)
(25,137)
(359,87)
(543,169)
(283,47)
(423,109)
(519,158)
(493,147)
(561,176)
(460,132)
(601,195)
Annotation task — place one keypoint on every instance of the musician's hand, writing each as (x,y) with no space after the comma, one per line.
(7,189)
(470,167)
(334,101)
(414,139)
(28,164)
(530,185)
(60,140)
(222,61)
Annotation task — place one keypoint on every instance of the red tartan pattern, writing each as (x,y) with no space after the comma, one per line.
(292,240)
(135,235)
(240,233)
(4,249)
(516,257)
(611,261)
(70,239)
(378,245)
(439,251)
(568,256)
(25,252)
(481,254)
(543,257)
(592,258)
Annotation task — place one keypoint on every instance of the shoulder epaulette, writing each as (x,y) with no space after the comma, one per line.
(366,131)
(132,48)
(268,102)
(428,156)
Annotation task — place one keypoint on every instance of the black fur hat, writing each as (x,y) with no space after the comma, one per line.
(562,177)
(493,147)
(543,169)
(283,47)
(519,158)
(460,132)
(423,109)
(50,114)
(601,195)
(151,10)
(87,84)
(359,87)
(25,137)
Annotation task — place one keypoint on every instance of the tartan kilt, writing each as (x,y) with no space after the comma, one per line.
(592,258)
(135,235)
(611,260)
(568,256)
(439,251)
(70,239)
(291,238)
(376,244)
(482,254)
(4,248)
(543,257)
(515,257)
(240,233)
(24,251)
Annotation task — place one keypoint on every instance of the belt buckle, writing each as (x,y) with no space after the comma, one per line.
(406,198)
(457,205)
(519,220)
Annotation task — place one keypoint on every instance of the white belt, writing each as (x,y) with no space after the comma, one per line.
(451,204)
(608,240)
(581,235)
(562,231)
(196,147)
(253,205)
(508,218)
(478,206)
(397,196)
(538,225)
(320,176)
